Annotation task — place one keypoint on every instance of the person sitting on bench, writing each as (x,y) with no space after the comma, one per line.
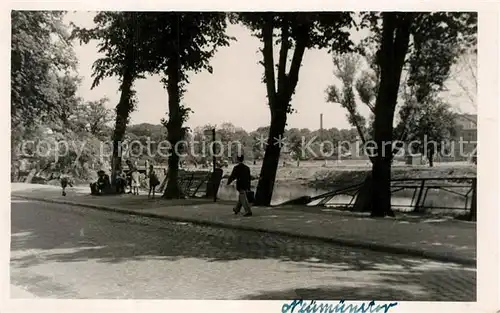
(102,185)
(121,182)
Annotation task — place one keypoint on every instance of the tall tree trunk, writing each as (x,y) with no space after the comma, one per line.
(172,191)
(430,156)
(279,100)
(174,127)
(394,46)
(123,109)
(271,160)
(473,207)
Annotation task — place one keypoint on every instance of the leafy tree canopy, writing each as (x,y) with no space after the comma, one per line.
(41,61)
(297,31)
(438,39)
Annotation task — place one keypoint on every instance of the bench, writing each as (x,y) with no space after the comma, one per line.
(193,182)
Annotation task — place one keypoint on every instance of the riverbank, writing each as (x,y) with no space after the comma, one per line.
(334,174)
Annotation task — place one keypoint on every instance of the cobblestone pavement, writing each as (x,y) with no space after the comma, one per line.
(60,251)
(438,239)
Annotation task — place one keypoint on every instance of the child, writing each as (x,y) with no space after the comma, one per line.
(121,182)
(135,181)
(153,181)
(130,170)
(65,181)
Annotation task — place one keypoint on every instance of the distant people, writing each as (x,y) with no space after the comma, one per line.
(65,182)
(241,173)
(102,185)
(131,169)
(103,182)
(135,181)
(120,181)
(153,181)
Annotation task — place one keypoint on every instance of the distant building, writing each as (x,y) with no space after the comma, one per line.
(467,121)
(466,136)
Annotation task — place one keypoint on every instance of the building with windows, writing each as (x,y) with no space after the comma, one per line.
(467,121)
(466,137)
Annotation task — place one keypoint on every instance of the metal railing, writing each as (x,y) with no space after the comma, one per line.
(417,194)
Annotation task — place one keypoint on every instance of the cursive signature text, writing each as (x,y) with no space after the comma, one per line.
(313,306)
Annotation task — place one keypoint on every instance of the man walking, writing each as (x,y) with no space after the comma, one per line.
(241,173)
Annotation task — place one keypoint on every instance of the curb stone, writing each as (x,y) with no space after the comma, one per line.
(379,247)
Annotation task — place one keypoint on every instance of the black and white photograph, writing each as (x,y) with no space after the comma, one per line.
(327,159)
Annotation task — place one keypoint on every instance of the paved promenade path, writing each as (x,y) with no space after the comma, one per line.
(62,251)
(440,239)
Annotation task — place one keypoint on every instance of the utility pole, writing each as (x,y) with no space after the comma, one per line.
(213,149)
(214,163)
(321,123)
(214,182)
(321,136)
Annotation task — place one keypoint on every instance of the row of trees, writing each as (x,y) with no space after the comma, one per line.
(178,44)
(169,44)
(432,121)
(298,144)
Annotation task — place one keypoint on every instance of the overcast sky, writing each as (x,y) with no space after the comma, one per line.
(234,92)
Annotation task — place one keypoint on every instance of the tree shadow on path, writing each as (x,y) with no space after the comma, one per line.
(46,233)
